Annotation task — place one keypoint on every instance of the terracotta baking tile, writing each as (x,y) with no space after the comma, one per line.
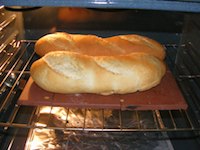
(165,96)
(34,95)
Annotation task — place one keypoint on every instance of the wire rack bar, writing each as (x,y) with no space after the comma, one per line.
(14,65)
(15,83)
(35,117)
(173,121)
(10,57)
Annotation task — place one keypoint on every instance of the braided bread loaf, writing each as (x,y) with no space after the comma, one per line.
(96,46)
(71,67)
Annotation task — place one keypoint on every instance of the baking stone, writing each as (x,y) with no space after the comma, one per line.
(165,96)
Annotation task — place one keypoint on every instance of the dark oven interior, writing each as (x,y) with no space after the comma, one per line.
(51,127)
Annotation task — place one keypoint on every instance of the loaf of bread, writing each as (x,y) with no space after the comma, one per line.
(74,72)
(96,46)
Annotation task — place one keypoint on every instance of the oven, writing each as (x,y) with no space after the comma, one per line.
(175,24)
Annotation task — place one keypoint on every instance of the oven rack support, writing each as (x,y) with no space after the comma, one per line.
(15,74)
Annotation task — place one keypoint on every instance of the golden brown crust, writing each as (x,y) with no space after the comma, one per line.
(136,43)
(54,42)
(75,63)
(69,72)
(97,46)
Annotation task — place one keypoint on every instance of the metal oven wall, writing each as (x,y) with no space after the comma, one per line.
(169,28)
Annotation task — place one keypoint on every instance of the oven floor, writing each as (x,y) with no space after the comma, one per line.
(98,140)
(71,140)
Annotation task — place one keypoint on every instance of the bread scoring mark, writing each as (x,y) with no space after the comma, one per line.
(63,41)
(139,39)
(111,46)
(127,38)
(112,65)
(95,43)
(65,65)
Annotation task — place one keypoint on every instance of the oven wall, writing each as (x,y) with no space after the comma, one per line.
(165,27)
(103,22)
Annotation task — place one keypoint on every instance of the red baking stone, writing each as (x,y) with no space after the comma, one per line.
(165,96)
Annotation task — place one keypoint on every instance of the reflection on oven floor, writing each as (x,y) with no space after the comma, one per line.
(42,138)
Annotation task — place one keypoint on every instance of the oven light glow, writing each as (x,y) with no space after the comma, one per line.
(44,138)
(58,111)
(40,124)
(36,143)
(45,110)
(41,142)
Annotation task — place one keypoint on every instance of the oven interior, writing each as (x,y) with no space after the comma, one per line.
(47,127)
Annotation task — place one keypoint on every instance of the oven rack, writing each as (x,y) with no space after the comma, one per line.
(18,57)
(156,120)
